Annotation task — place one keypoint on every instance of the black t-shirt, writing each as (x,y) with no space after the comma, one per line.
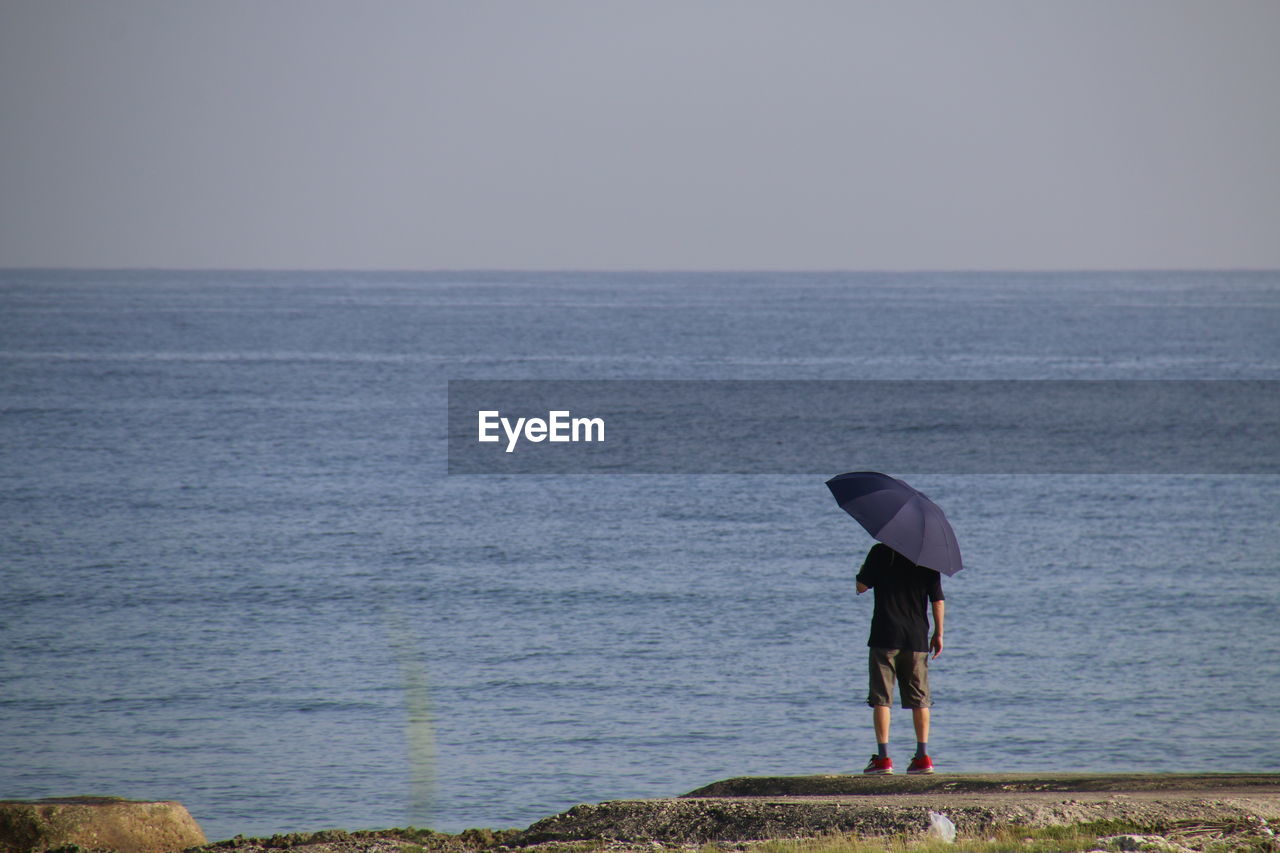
(902,588)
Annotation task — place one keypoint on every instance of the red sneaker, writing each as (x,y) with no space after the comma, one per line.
(920,764)
(879,766)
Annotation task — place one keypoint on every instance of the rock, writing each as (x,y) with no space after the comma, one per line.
(702,821)
(97,823)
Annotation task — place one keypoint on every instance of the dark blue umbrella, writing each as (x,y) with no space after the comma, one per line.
(900,517)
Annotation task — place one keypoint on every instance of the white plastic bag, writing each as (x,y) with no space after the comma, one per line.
(940,826)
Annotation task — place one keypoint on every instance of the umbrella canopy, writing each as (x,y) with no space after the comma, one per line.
(900,517)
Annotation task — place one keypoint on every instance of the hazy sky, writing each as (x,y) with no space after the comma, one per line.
(663,134)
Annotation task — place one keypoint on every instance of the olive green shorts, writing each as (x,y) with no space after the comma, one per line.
(911,671)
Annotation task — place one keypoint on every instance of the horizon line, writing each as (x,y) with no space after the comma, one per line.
(654,270)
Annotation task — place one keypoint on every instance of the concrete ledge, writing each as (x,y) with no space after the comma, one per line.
(982,783)
(749,809)
(97,823)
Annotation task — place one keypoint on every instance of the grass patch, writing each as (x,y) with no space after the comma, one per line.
(1023,839)
(410,839)
(414,840)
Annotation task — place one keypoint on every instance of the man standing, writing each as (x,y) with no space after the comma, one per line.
(900,647)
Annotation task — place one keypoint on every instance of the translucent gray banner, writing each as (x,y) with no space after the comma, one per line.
(826,426)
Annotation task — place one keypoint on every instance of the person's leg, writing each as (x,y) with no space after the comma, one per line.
(920,718)
(915,695)
(880,717)
(879,697)
(881,764)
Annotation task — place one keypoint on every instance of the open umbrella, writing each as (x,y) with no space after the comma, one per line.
(900,517)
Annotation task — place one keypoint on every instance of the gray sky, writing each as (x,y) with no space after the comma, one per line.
(666,134)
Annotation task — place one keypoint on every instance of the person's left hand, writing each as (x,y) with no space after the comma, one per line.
(936,644)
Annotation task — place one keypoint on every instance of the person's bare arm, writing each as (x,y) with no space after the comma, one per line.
(860,587)
(939,607)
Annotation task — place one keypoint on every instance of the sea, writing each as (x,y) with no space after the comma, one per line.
(235,571)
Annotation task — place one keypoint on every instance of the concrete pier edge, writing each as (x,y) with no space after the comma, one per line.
(761,808)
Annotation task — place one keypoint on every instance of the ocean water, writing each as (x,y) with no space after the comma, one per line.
(234,573)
